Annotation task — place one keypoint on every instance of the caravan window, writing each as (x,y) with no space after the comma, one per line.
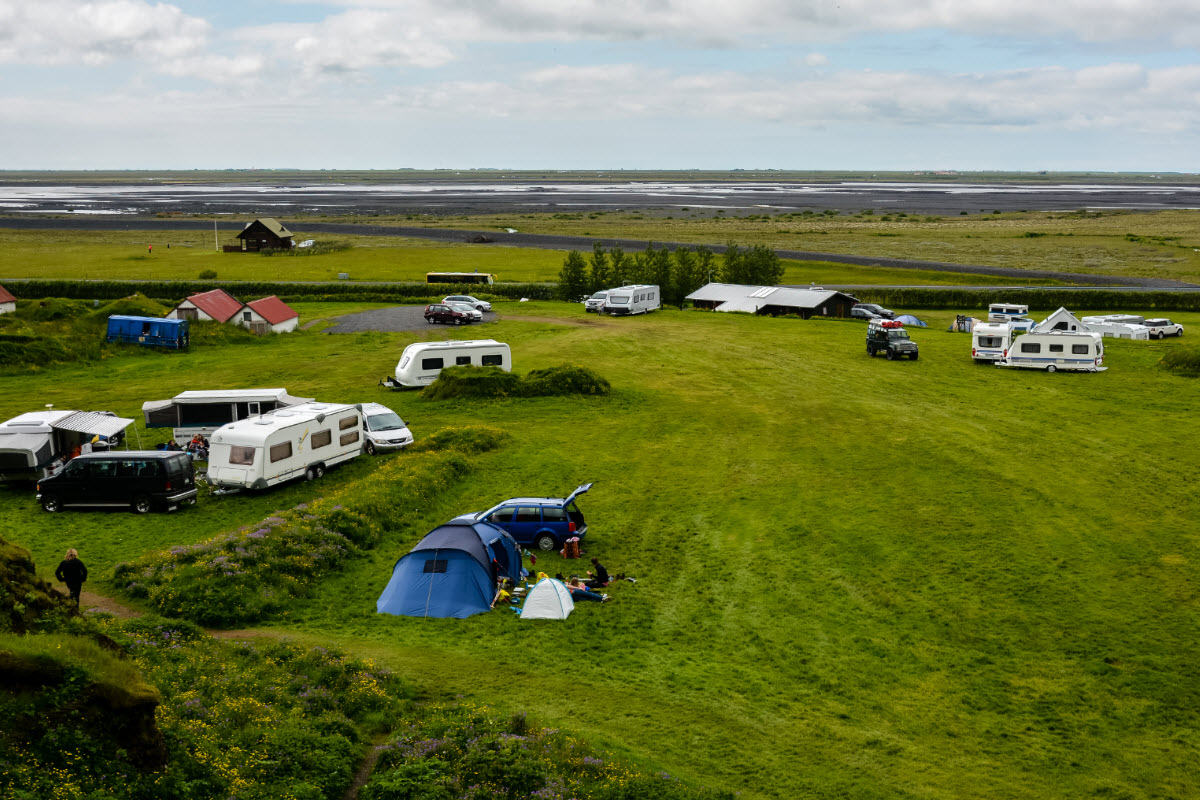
(281,451)
(461,360)
(431,363)
(321,439)
(990,341)
(435,565)
(1056,348)
(1034,347)
(241,455)
(1079,349)
(349,438)
(493,361)
(346,423)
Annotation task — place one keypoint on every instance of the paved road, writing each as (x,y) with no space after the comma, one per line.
(584,243)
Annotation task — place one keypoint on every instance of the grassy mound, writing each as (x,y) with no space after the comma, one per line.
(1182,360)
(25,600)
(136,305)
(259,570)
(52,309)
(492,382)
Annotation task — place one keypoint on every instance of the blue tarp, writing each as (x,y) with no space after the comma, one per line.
(449,572)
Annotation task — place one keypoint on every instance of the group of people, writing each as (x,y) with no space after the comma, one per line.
(582,589)
(197,448)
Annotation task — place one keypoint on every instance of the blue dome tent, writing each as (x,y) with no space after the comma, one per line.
(911,321)
(449,573)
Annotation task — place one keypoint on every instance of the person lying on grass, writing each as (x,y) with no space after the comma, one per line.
(581,592)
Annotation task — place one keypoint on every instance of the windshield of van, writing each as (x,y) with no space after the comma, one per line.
(894,334)
(619,299)
(385,422)
(599,295)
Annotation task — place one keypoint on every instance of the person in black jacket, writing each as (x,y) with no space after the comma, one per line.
(598,579)
(73,573)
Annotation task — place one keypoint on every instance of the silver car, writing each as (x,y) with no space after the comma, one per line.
(475,314)
(478,305)
(596,302)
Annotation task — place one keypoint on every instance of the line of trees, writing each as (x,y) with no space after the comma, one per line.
(677,273)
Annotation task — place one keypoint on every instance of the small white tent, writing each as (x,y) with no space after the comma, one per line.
(548,599)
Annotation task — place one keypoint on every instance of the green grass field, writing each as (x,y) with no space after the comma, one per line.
(856,578)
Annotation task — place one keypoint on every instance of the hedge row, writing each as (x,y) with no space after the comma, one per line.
(340,291)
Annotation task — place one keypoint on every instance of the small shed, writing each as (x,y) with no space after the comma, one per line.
(773,300)
(8,303)
(269,314)
(265,234)
(149,331)
(216,305)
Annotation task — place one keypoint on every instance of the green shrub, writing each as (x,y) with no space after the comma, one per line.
(1183,360)
(317,249)
(471,439)
(208,275)
(472,382)
(53,308)
(562,380)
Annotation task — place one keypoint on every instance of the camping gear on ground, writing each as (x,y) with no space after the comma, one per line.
(548,599)
(571,548)
(449,572)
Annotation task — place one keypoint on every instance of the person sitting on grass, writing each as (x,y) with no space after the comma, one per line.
(581,592)
(598,579)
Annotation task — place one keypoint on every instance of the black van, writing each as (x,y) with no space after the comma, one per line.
(136,479)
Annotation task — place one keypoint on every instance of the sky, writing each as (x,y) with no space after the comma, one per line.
(1096,85)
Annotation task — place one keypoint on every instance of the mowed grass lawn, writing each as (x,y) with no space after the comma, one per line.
(856,578)
(126,255)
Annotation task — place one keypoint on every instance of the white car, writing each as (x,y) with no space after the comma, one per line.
(1163,327)
(471,311)
(595,302)
(478,305)
(383,429)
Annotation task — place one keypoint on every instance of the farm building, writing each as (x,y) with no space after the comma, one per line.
(773,300)
(216,305)
(8,303)
(269,314)
(262,234)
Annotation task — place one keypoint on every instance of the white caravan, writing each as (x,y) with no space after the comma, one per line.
(1117,326)
(35,445)
(1001,312)
(1080,351)
(990,340)
(383,429)
(303,440)
(421,362)
(635,299)
(189,413)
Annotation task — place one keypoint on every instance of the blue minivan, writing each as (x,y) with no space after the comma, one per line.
(543,522)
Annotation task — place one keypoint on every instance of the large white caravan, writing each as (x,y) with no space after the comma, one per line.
(990,340)
(1080,351)
(1117,326)
(1002,312)
(189,413)
(421,362)
(36,444)
(636,299)
(303,440)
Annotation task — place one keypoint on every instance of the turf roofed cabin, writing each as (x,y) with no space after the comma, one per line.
(773,300)
(265,233)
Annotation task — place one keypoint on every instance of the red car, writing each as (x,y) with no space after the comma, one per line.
(440,312)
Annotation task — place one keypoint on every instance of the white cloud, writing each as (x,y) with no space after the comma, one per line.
(816,60)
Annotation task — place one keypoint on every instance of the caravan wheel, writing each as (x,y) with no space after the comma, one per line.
(313,472)
(1051,368)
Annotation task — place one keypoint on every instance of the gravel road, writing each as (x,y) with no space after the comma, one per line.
(398,318)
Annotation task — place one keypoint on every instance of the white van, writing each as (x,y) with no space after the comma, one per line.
(421,362)
(383,429)
(1079,351)
(303,440)
(635,299)
(990,340)
(1001,312)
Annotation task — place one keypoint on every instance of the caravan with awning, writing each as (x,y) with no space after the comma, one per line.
(202,412)
(35,445)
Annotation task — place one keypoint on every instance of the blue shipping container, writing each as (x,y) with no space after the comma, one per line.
(150,331)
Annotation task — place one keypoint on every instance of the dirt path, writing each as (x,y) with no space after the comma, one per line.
(365,769)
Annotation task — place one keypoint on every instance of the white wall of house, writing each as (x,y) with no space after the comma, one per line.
(187,304)
(247,316)
(7,308)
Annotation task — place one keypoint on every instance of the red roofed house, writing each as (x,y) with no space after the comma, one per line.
(8,303)
(271,314)
(217,305)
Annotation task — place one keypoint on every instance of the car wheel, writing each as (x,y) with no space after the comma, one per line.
(546,542)
(370,447)
(51,504)
(430,320)
(1180,334)
(1051,368)
(1161,335)
(913,356)
(141,504)
(891,356)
